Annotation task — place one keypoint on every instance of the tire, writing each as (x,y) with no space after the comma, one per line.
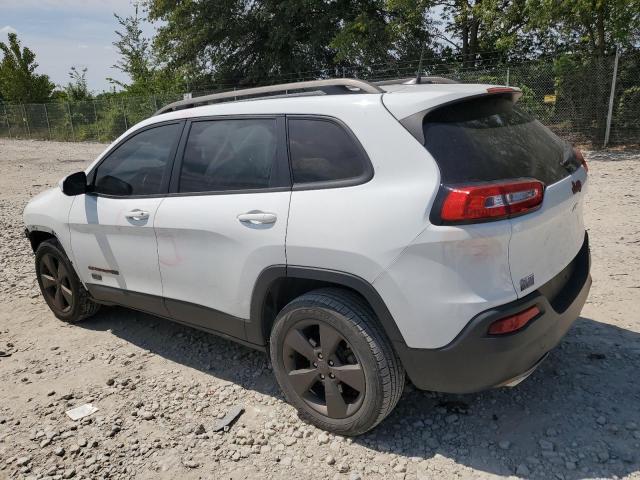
(355,362)
(60,286)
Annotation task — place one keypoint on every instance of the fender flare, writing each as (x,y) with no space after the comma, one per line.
(255,328)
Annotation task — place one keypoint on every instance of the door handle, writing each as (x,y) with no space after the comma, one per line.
(257,218)
(137,214)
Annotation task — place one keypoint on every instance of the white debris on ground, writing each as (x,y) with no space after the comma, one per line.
(161,387)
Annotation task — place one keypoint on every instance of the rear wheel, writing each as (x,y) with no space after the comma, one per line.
(62,290)
(333,362)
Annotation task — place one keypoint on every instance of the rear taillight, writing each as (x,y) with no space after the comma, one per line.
(579,156)
(514,322)
(490,201)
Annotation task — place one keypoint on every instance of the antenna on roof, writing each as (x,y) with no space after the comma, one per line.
(419,72)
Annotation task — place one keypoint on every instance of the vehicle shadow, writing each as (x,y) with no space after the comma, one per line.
(577,416)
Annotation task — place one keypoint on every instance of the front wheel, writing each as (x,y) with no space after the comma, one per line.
(333,362)
(60,286)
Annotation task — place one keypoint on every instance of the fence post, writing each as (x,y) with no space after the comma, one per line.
(26,120)
(46,116)
(124,115)
(612,96)
(507,84)
(73,133)
(6,117)
(155,103)
(95,119)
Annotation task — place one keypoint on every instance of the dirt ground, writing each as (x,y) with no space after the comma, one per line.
(159,386)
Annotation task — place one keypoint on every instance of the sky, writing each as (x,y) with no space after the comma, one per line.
(66,33)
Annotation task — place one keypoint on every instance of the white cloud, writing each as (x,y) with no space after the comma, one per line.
(7,29)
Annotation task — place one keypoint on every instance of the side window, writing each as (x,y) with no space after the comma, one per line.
(234,154)
(323,151)
(139,165)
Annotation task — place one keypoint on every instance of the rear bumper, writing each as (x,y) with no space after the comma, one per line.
(475,361)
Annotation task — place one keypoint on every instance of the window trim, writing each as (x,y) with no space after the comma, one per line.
(361,179)
(166,176)
(283,182)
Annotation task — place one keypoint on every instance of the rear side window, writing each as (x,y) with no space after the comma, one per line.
(323,151)
(234,154)
(139,165)
(489,138)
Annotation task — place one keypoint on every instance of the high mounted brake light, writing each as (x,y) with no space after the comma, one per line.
(490,201)
(501,90)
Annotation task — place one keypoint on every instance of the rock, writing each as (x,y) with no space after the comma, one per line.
(545,444)
(146,415)
(199,430)
(342,467)
(69,473)
(601,420)
(110,382)
(523,470)
(286,461)
(330,460)
(59,451)
(453,418)
(400,468)
(505,444)
(355,476)
(74,448)
(323,438)
(190,464)
(22,461)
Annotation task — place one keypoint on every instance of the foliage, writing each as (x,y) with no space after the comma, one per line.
(18,80)
(77,89)
(628,108)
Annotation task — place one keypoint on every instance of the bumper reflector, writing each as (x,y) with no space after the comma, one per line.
(514,322)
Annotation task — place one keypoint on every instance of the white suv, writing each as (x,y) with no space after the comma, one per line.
(355,231)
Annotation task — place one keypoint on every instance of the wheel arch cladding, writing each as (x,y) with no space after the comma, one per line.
(279,284)
(36,237)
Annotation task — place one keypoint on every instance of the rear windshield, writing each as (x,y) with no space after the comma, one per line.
(489,138)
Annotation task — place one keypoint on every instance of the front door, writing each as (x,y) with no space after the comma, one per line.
(112,235)
(224,221)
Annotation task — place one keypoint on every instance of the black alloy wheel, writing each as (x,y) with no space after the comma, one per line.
(323,369)
(60,286)
(56,284)
(333,361)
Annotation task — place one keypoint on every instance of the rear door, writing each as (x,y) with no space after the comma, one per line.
(489,139)
(225,220)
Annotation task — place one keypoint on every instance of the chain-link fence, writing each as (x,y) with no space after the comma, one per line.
(571,95)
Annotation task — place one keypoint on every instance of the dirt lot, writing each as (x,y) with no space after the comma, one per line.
(159,386)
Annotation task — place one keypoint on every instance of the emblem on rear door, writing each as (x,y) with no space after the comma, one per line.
(576,186)
(526,282)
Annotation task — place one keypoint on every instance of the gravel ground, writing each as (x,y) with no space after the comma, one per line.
(160,387)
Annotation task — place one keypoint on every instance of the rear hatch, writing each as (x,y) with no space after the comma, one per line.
(488,141)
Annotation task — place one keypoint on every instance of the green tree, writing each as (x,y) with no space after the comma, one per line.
(77,90)
(18,80)
(588,26)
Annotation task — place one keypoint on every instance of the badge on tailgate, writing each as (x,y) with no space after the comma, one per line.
(526,282)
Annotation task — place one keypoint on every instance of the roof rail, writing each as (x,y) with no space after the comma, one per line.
(412,81)
(337,85)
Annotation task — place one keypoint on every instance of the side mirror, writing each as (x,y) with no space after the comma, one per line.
(75,184)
